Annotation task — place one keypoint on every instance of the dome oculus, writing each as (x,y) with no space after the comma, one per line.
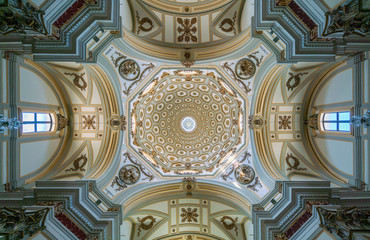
(188,124)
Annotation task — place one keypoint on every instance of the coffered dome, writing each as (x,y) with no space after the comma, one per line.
(186,125)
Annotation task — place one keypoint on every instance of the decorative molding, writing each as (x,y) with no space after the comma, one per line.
(285,122)
(347,19)
(296,78)
(256,122)
(244,174)
(343,222)
(189,215)
(21,223)
(129,69)
(77,165)
(77,79)
(227,67)
(129,174)
(312,122)
(149,175)
(295,164)
(230,23)
(142,22)
(148,67)
(118,122)
(231,225)
(88,121)
(21,17)
(187,30)
(116,59)
(62,122)
(187,62)
(144,226)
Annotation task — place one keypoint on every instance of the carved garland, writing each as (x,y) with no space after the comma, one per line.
(230,22)
(295,164)
(144,226)
(297,80)
(142,22)
(78,166)
(231,225)
(147,68)
(77,79)
(227,67)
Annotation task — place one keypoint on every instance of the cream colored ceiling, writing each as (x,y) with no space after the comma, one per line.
(188,218)
(156,117)
(184,23)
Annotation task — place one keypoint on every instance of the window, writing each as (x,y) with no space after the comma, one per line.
(36,122)
(337,121)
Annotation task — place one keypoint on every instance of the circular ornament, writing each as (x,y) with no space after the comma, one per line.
(129,174)
(129,69)
(245,68)
(244,174)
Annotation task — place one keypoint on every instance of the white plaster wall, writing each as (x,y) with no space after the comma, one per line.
(338,153)
(35,154)
(338,89)
(248,12)
(126,15)
(34,89)
(125,230)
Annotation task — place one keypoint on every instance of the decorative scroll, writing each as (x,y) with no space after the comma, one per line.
(142,24)
(296,78)
(231,225)
(343,222)
(149,175)
(227,67)
(116,59)
(245,68)
(62,122)
(244,174)
(230,23)
(118,122)
(295,164)
(256,122)
(253,55)
(189,215)
(129,174)
(313,122)
(187,29)
(77,165)
(144,225)
(257,183)
(20,17)
(187,62)
(285,122)
(20,223)
(88,121)
(119,183)
(129,70)
(227,174)
(76,81)
(347,19)
(147,68)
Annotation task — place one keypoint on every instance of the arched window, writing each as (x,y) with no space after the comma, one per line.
(337,121)
(33,122)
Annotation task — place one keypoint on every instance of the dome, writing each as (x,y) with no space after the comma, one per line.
(187,124)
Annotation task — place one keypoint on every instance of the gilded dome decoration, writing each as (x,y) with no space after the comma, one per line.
(187,125)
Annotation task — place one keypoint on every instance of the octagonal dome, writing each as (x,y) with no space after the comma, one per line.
(185,124)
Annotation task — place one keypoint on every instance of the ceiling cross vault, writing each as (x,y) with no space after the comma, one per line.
(184,119)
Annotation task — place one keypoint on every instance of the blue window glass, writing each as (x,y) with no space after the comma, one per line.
(36,122)
(337,121)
